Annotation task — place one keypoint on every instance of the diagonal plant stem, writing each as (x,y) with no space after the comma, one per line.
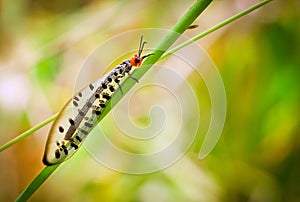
(216,27)
(183,24)
(37,182)
(178,29)
(28,132)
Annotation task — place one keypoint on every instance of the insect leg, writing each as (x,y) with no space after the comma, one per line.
(129,75)
(120,88)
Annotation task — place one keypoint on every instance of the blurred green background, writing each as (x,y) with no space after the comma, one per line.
(43,44)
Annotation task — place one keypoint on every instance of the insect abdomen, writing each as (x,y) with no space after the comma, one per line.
(79,116)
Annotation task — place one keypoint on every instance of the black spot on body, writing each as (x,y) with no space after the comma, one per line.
(111,88)
(84,132)
(116,73)
(96,112)
(91,86)
(71,121)
(80,94)
(104,86)
(75,103)
(76,98)
(78,138)
(106,96)
(102,105)
(66,151)
(109,79)
(87,124)
(117,80)
(74,145)
(97,95)
(61,129)
(57,154)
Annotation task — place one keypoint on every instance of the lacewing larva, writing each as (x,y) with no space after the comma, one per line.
(79,116)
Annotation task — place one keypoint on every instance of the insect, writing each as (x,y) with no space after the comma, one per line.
(193,26)
(79,116)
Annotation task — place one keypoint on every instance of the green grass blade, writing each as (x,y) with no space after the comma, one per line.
(37,182)
(216,27)
(27,133)
(166,43)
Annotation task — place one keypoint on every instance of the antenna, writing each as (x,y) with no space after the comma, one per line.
(142,44)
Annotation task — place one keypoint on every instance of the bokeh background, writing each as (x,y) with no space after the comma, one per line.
(43,44)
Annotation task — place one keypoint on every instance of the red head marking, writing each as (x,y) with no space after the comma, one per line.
(136,60)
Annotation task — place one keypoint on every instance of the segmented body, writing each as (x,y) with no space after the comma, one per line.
(79,115)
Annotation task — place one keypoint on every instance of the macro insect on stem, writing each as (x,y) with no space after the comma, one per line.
(79,116)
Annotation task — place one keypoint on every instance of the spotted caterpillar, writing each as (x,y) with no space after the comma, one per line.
(79,116)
